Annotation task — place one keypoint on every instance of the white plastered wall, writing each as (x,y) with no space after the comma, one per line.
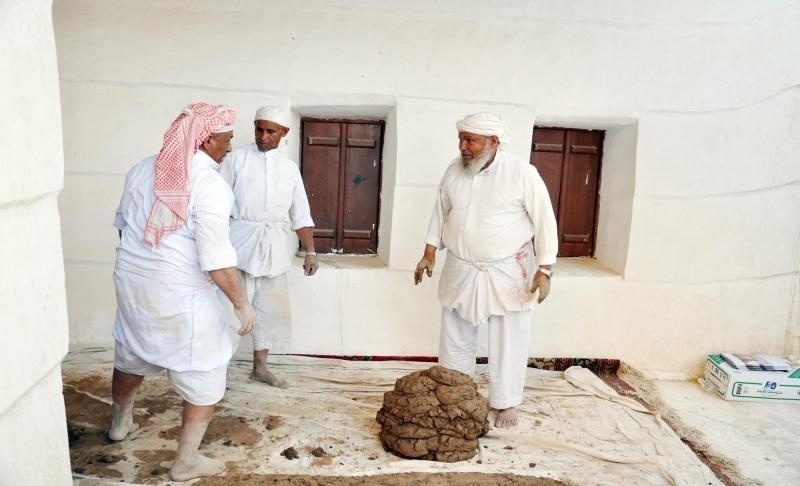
(33,313)
(699,222)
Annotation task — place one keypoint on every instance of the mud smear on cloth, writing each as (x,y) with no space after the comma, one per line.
(229,430)
(152,464)
(91,452)
(146,456)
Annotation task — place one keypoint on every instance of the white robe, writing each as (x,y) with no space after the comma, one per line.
(168,312)
(486,221)
(270,202)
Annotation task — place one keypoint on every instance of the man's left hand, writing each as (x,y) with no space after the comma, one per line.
(310,265)
(247,317)
(542,283)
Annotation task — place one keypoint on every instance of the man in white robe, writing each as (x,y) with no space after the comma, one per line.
(270,201)
(174,252)
(490,206)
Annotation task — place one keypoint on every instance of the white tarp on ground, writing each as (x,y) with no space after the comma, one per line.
(572,426)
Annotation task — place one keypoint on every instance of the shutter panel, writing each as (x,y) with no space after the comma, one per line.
(579,192)
(321,166)
(548,158)
(361,187)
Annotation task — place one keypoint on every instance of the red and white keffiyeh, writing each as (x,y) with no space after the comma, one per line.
(183,138)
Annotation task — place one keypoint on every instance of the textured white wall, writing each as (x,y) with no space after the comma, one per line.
(33,313)
(701,181)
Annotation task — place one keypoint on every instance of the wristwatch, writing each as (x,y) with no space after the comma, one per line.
(546,271)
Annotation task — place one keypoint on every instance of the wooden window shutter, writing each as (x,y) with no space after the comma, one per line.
(569,163)
(341,169)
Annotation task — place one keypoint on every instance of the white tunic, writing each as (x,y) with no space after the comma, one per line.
(168,312)
(270,202)
(486,221)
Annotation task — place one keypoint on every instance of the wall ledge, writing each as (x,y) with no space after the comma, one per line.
(582,267)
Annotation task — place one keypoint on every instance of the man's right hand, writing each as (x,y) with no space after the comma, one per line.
(247,316)
(424,265)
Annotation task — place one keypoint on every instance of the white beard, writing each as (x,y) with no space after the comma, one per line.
(475,165)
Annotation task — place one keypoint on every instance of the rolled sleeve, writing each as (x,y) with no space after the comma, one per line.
(211,229)
(545,260)
(300,212)
(540,211)
(441,210)
(119,220)
(434,237)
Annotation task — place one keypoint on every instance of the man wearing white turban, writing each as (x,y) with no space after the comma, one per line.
(270,202)
(174,247)
(493,215)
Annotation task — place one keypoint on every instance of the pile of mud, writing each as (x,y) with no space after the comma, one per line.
(435,414)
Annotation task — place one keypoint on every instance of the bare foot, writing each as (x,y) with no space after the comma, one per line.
(122,424)
(265,376)
(198,467)
(506,418)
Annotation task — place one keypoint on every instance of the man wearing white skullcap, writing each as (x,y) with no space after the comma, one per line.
(490,206)
(270,202)
(174,247)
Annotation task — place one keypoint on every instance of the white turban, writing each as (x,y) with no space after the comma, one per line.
(486,124)
(273,114)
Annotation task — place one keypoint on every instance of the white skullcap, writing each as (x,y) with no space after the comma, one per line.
(273,114)
(486,124)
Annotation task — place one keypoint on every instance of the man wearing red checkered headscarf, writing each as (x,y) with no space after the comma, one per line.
(182,140)
(174,253)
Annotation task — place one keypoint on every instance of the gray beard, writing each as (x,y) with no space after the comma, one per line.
(475,165)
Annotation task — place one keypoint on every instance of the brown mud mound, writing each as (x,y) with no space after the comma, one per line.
(435,414)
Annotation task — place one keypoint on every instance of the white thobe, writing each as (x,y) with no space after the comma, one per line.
(168,312)
(270,202)
(486,221)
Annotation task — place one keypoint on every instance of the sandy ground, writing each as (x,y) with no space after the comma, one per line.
(566,435)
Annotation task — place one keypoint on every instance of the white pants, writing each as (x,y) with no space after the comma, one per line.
(509,336)
(270,298)
(201,388)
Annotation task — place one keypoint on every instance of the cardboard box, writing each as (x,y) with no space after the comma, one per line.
(752,386)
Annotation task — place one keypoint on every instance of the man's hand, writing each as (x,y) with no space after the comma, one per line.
(425,265)
(310,265)
(542,283)
(247,316)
